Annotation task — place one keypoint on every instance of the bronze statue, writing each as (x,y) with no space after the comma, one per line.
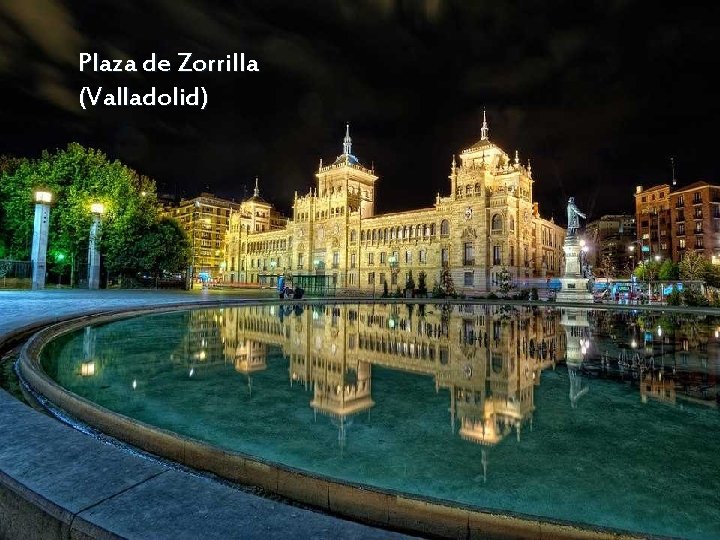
(574,215)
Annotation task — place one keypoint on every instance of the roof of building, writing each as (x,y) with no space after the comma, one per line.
(694,185)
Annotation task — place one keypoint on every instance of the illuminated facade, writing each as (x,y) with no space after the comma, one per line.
(487,223)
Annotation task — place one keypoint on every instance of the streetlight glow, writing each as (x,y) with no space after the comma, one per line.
(44,197)
(97,208)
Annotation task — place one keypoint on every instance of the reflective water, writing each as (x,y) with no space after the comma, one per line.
(600,417)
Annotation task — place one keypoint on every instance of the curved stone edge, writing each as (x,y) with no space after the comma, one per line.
(368,505)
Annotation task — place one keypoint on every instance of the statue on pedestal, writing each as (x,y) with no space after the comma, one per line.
(574,214)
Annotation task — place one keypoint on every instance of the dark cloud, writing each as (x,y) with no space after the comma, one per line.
(599,98)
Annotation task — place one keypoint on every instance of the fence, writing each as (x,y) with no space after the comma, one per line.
(15,274)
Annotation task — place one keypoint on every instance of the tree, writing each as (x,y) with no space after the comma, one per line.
(410,283)
(647,270)
(606,268)
(77,176)
(163,249)
(446,281)
(422,285)
(668,270)
(693,267)
(505,281)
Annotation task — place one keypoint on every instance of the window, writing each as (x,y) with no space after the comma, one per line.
(408,257)
(371,278)
(680,229)
(697,198)
(496,223)
(353,260)
(469,254)
(300,260)
(698,227)
(353,236)
(680,216)
(335,259)
(497,259)
(444,256)
(681,243)
(512,255)
(699,242)
(422,255)
(468,279)
(371,258)
(698,212)
(382,278)
(382,258)
(512,223)
(680,201)
(444,228)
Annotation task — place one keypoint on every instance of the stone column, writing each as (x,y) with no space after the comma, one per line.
(94,254)
(41,228)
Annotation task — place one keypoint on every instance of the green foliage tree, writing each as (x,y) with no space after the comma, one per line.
(647,270)
(77,177)
(668,270)
(712,276)
(163,249)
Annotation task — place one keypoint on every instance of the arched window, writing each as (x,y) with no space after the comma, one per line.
(362,236)
(496,224)
(432,229)
(468,189)
(512,223)
(477,188)
(353,235)
(445,228)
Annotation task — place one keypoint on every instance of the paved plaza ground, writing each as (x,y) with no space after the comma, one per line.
(92,487)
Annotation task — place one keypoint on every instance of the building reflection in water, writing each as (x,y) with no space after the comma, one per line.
(489,358)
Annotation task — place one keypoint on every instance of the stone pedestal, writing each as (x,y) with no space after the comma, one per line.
(574,287)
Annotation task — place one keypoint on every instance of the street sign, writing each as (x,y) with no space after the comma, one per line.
(646,249)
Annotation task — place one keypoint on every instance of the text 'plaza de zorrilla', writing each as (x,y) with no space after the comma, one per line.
(488,225)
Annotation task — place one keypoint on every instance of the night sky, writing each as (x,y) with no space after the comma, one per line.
(598,94)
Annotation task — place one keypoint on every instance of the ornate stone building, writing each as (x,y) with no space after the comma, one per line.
(487,223)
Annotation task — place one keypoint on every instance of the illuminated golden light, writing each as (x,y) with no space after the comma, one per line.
(43,197)
(134,384)
(633,343)
(97,208)
(87,369)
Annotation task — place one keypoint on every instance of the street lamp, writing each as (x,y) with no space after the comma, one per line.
(41,228)
(97,209)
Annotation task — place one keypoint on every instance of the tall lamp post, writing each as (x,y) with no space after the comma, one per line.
(97,209)
(41,229)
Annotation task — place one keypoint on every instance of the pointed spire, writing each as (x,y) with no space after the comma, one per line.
(453,166)
(256,191)
(529,168)
(517,158)
(320,168)
(484,130)
(347,141)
